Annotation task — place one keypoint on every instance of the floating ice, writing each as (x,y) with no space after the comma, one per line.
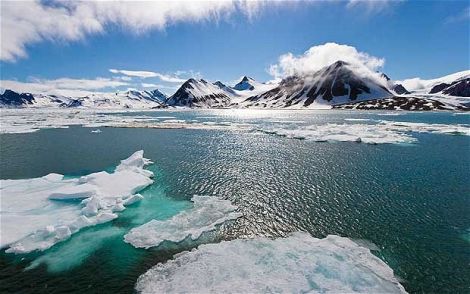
(38,213)
(382,132)
(365,133)
(97,131)
(296,264)
(371,131)
(357,119)
(457,129)
(207,213)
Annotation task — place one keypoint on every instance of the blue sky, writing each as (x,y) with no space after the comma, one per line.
(423,39)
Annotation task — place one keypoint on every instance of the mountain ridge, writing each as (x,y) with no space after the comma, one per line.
(339,83)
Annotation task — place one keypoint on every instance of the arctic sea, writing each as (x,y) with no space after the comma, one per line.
(395,182)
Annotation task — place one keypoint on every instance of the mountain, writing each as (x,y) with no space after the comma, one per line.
(459,88)
(337,83)
(228,90)
(438,85)
(127,99)
(199,93)
(14,99)
(245,84)
(400,90)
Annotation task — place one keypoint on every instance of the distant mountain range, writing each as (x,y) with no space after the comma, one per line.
(339,85)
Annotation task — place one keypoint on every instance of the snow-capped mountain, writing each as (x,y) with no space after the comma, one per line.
(228,90)
(247,87)
(453,90)
(337,83)
(127,99)
(340,83)
(399,89)
(246,83)
(199,93)
(434,86)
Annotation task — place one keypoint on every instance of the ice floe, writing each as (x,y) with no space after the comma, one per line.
(38,213)
(295,264)
(457,129)
(365,133)
(380,132)
(355,130)
(207,213)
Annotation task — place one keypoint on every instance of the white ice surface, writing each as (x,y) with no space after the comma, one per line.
(381,132)
(374,131)
(371,134)
(38,213)
(296,264)
(206,214)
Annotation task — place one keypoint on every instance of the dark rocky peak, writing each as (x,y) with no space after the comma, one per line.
(438,88)
(13,98)
(400,90)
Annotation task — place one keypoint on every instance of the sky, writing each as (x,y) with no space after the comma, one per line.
(85,46)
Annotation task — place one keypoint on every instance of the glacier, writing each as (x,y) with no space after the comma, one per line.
(207,213)
(40,212)
(298,263)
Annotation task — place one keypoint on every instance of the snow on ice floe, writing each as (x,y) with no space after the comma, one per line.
(457,129)
(298,263)
(38,213)
(355,130)
(371,134)
(207,213)
(382,132)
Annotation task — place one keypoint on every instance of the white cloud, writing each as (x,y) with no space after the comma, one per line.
(372,6)
(149,74)
(464,15)
(323,55)
(145,85)
(62,86)
(134,73)
(30,21)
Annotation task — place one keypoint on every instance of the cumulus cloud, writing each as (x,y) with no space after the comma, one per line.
(323,55)
(149,74)
(62,86)
(29,21)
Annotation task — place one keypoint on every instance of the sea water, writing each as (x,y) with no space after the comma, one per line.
(408,200)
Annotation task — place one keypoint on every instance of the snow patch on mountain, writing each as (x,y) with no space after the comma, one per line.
(199,93)
(125,99)
(335,84)
(418,85)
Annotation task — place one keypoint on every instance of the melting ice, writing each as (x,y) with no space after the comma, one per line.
(296,264)
(205,215)
(38,213)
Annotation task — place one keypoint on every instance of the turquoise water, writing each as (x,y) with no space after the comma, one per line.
(412,201)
